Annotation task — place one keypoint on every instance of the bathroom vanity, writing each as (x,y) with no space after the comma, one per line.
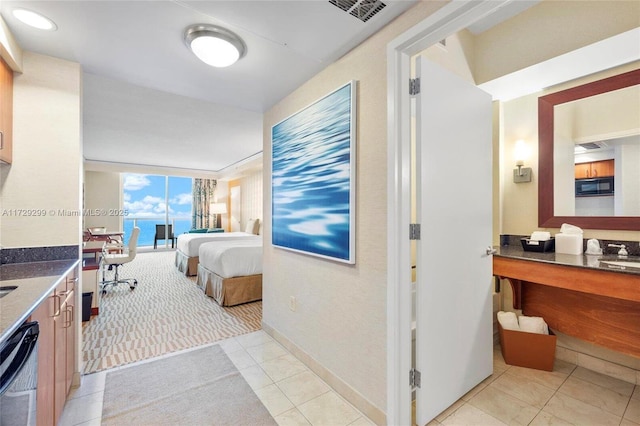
(578,295)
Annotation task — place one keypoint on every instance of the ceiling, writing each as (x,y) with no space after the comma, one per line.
(148,100)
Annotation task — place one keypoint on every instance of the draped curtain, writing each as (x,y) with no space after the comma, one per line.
(203,195)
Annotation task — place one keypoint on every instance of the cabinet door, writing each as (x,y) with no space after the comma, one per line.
(583,170)
(46,348)
(60,354)
(603,168)
(6,112)
(70,324)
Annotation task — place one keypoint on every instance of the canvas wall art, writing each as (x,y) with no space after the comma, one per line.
(313,178)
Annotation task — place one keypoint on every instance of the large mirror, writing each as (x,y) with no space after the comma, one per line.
(560,116)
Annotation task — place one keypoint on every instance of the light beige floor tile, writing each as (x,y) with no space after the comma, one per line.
(486,382)
(253,339)
(579,413)
(256,377)
(241,359)
(626,422)
(550,379)
(546,419)
(636,393)
(329,409)
(230,345)
(83,409)
(274,400)
(92,422)
(633,411)
(532,393)
(91,383)
(292,417)
(303,387)
(453,407)
(595,395)
(606,367)
(267,351)
(362,421)
(469,415)
(283,367)
(498,360)
(616,385)
(503,406)
(564,367)
(434,422)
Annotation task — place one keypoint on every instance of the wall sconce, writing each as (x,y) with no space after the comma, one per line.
(521,174)
(218,209)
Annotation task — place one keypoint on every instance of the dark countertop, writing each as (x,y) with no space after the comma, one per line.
(35,281)
(580,260)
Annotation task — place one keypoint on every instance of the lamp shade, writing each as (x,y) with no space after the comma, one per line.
(218,208)
(214,45)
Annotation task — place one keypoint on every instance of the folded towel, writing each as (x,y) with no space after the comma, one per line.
(541,236)
(508,320)
(533,325)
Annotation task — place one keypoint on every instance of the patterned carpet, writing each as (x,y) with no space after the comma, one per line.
(167,312)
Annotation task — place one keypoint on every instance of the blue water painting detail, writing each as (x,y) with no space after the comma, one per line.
(313,178)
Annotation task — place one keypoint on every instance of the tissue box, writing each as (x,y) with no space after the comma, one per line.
(569,243)
(538,246)
(529,350)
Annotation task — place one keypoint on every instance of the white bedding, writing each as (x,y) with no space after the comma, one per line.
(228,259)
(190,243)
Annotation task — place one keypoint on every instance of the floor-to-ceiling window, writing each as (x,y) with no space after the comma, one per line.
(152,200)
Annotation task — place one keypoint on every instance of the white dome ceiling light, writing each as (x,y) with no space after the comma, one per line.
(34,19)
(214,45)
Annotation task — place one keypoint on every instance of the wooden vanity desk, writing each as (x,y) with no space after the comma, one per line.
(576,295)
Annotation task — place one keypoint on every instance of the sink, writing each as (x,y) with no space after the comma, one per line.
(6,290)
(622,263)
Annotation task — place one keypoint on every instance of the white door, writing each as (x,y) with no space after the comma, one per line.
(454,341)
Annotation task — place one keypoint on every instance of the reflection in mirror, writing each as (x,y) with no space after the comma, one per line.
(597,155)
(589,116)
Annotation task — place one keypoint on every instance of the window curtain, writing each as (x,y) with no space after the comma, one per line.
(203,195)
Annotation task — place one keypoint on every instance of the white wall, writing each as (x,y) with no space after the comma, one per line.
(252,199)
(102,191)
(45,174)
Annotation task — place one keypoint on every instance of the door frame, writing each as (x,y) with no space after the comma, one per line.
(451,18)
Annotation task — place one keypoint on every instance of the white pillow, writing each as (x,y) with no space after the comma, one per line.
(251,225)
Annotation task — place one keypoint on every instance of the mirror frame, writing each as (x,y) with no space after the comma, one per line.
(546,104)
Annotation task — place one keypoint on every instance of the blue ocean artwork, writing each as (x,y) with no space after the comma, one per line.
(313,178)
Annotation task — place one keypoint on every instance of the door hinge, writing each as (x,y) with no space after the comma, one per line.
(414,86)
(414,231)
(414,378)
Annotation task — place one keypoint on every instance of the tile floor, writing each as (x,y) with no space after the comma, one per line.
(294,395)
(568,395)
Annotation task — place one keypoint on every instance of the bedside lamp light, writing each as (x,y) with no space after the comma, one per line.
(521,152)
(218,209)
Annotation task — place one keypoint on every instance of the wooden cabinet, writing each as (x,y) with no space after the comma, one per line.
(6,112)
(595,169)
(56,350)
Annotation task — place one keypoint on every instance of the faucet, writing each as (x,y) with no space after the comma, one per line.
(623,250)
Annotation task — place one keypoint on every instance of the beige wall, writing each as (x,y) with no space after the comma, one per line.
(549,29)
(340,319)
(102,192)
(45,174)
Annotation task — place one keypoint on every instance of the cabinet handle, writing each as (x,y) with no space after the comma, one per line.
(595,173)
(68,316)
(1,139)
(56,310)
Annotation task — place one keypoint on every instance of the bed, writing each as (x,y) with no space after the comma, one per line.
(231,271)
(186,258)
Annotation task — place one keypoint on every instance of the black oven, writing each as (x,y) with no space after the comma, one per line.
(19,376)
(594,186)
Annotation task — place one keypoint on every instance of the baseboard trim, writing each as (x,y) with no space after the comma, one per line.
(347,392)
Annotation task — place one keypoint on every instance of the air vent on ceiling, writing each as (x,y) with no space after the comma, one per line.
(361,9)
(593,145)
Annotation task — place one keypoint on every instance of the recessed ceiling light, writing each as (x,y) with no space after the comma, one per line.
(34,19)
(214,45)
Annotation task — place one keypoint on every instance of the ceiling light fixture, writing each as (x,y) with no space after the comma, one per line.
(34,19)
(214,45)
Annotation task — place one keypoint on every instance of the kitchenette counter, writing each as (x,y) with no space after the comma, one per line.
(34,281)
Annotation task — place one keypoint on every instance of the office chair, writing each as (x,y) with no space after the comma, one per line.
(161,234)
(115,255)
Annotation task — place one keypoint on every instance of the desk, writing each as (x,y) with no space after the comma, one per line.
(103,235)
